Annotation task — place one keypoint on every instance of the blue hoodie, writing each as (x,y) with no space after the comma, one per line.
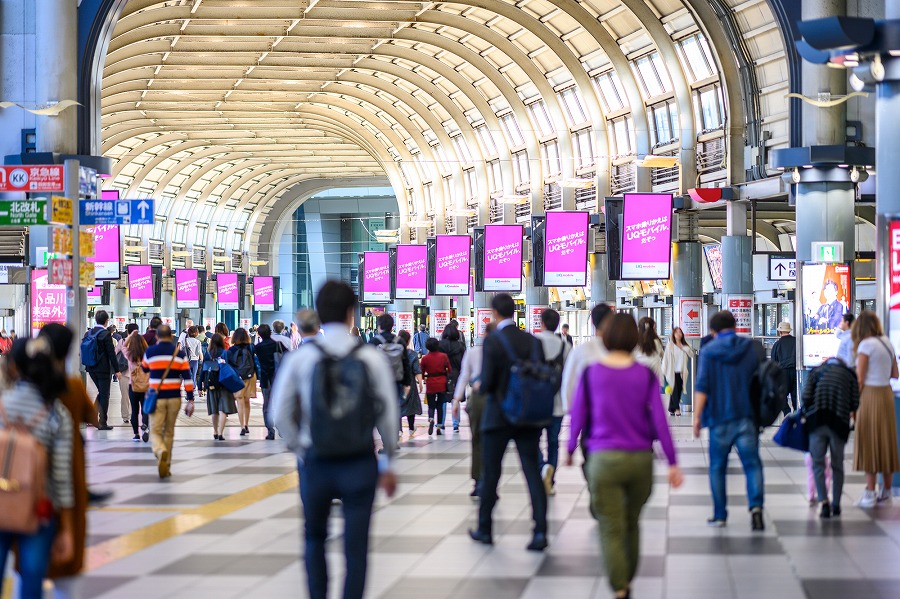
(726,370)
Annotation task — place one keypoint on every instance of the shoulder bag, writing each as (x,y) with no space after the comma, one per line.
(152,395)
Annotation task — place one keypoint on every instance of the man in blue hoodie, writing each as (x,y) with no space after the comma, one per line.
(722,403)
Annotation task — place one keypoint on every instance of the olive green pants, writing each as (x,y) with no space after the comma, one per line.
(620,483)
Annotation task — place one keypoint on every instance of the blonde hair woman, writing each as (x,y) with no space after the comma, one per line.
(875,449)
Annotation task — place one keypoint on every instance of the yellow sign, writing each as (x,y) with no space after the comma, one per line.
(86,244)
(86,275)
(62,240)
(61,210)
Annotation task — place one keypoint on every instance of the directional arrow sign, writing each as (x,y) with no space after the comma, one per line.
(23,212)
(116,212)
(782,268)
(689,310)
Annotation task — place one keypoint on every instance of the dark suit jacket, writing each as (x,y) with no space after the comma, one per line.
(108,362)
(495,371)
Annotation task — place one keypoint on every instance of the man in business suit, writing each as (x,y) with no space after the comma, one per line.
(564,334)
(497,432)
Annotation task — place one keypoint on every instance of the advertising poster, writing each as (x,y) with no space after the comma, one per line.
(690,312)
(826,298)
(140,285)
(503,258)
(244,323)
(106,258)
(169,322)
(534,319)
(404,321)
(741,306)
(209,322)
(713,255)
(412,271)
(566,249)
(187,289)
(264,294)
(48,302)
(451,272)
(377,277)
(482,320)
(227,292)
(647,236)
(439,321)
(95,296)
(465,327)
(120,322)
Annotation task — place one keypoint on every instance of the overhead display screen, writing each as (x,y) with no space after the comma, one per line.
(503,257)
(377,277)
(826,298)
(140,285)
(713,255)
(95,296)
(647,236)
(107,259)
(187,289)
(451,266)
(565,249)
(228,295)
(48,302)
(264,294)
(412,271)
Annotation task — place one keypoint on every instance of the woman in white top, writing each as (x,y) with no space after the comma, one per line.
(649,351)
(875,449)
(675,366)
(122,377)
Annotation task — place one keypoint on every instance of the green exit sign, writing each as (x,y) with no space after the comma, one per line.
(22,213)
(828,251)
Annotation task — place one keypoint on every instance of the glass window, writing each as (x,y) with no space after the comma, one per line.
(542,118)
(584,148)
(408,175)
(623,135)
(442,157)
(424,166)
(486,139)
(609,86)
(574,110)
(219,239)
(664,118)
(184,209)
(521,170)
(200,235)
(648,76)
(550,157)
(495,176)
(205,212)
(159,227)
(696,55)
(178,232)
(511,128)
(710,107)
(429,197)
(471,184)
(462,149)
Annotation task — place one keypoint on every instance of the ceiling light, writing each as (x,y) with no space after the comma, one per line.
(180,254)
(654,161)
(135,248)
(576,183)
(221,258)
(517,199)
(258,262)
(419,224)
(467,212)
(387,232)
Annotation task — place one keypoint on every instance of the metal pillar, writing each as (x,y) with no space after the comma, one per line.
(823,126)
(56,63)
(602,289)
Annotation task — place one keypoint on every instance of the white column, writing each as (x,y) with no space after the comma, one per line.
(56,53)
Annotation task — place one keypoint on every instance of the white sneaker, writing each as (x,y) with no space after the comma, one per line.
(884,496)
(868,500)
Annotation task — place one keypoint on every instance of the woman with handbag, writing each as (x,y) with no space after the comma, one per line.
(220,401)
(435,369)
(242,358)
(676,366)
(875,448)
(138,383)
(453,345)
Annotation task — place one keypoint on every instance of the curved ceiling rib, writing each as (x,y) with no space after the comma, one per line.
(214,102)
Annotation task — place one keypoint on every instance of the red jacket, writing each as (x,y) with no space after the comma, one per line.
(435,368)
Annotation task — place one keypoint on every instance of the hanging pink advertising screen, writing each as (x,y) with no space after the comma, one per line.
(187,289)
(503,257)
(95,296)
(140,285)
(227,293)
(565,249)
(264,294)
(107,259)
(411,278)
(451,266)
(377,277)
(647,236)
(48,302)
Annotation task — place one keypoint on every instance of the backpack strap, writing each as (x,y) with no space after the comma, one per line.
(507,347)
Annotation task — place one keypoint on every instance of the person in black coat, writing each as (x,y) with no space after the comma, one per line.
(107,365)
(454,346)
(497,432)
(269,353)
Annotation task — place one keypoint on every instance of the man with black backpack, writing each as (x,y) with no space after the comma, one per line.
(510,357)
(328,398)
(395,351)
(728,369)
(98,355)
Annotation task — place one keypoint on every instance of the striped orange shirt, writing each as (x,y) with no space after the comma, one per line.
(155,362)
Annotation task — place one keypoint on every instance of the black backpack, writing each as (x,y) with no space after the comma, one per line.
(533,384)
(343,408)
(768,390)
(241,358)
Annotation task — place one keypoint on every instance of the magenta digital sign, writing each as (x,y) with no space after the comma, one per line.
(187,289)
(106,258)
(376,277)
(48,302)
(503,257)
(412,271)
(646,236)
(95,296)
(451,265)
(565,249)
(140,285)
(264,294)
(228,295)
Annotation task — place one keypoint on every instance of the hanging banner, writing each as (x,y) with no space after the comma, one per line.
(741,306)
(503,258)
(95,296)
(377,277)
(826,298)
(439,321)
(107,258)
(535,325)
(566,249)
(228,295)
(264,294)
(140,285)
(690,314)
(412,273)
(647,236)
(48,302)
(451,270)
(187,289)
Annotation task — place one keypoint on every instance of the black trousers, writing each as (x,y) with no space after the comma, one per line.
(436,404)
(103,381)
(137,407)
(790,378)
(675,398)
(493,446)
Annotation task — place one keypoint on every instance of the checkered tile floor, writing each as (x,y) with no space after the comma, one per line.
(420,548)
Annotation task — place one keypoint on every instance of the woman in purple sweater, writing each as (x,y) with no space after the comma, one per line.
(617,409)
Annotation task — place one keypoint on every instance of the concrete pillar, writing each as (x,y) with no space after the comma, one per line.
(823,126)
(434,304)
(481,302)
(602,289)
(56,53)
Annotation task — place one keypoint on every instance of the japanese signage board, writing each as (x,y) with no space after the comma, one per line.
(264,294)
(566,249)
(86,243)
(503,258)
(32,178)
(376,277)
(534,319)
(61,272)
(86,276)
(60,210)
(116,212)
(647,236)
(140,285)
(107,257)
(451,266)
(482,320)
(411,274)
(690,313)
(741,306)
(782,268)
(826,298)
(465,327)
(439,321)
(245,323)
(404,322)
(48,302)
(23,213)
(62,240)
(187,289)
(227,293)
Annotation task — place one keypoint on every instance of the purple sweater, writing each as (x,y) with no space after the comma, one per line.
(626,412)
